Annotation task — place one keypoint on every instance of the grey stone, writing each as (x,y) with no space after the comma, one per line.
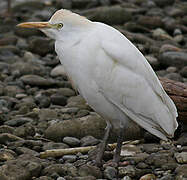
(47,114)
(35,80)
(25,131)
(183,72)
(71,141)
(177,59)
(52,145)
(87,170)
(109,15)
(41,46)
(66,92)
(25,68)
(89,141)
(150,22)
(148,176)
(127,171)
(110,173)
(18,121)
(58,99)
(25,150)
(162,3)
(6,129)
(58,71)
(69,158)
(152,61)
(181,157)
(181,170)
(89,125)
(174,76)
(6,137)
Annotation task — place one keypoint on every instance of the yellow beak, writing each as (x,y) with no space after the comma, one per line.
(35,25)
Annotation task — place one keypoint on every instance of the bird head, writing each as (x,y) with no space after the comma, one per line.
(62,22)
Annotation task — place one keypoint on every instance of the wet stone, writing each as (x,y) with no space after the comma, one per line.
(181,157)
(89,141)
(52,145)
(73,142)
(127,171)
(69,158)
(110,173)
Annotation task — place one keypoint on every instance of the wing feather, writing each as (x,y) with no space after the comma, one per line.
(154,111)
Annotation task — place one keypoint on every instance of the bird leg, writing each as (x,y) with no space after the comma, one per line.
(117,153)
(102,145)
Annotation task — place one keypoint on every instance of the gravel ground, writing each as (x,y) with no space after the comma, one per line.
(39,110)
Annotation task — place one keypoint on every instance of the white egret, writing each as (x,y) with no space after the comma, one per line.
(111,74)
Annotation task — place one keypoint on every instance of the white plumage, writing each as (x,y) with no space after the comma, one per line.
(111,74)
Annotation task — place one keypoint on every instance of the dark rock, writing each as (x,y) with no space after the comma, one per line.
(89,125)
(71,141)
(12,90)
(162,3)
(25,131)
(150,22)
(6,155)
(58,99)
(82,3)
(35,80)
(6,137)
(9,50)
(47,114)
(127,171)
(11,40)
(25,150)
(77,101)
(43,101)
(66,92)
(69,158)
(174,76)
(41,46)
(181,157)
(183,71)
(13,171)
(89,141)
(109,15)
(110,173)
(18,121)
(28,68)
(177,59)
(6,129)
(182,170)
(52,145)
(54,168)
(87,170)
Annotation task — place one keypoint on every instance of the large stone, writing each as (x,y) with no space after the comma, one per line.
(181,157)
(41,46)
(58,71)
(87,170)
(35,80)
(89,125)
(28,68)
(25,167)
(109,15)
(172,58)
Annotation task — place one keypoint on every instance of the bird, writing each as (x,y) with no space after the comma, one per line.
(112,75)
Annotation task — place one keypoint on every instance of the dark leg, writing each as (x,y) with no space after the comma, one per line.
(102,146)
(117,153)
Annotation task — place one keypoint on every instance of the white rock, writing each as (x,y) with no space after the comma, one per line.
(58,71)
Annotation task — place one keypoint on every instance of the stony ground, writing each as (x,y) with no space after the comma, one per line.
(40,111)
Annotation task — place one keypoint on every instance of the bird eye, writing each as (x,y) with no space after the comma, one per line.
(60,25)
